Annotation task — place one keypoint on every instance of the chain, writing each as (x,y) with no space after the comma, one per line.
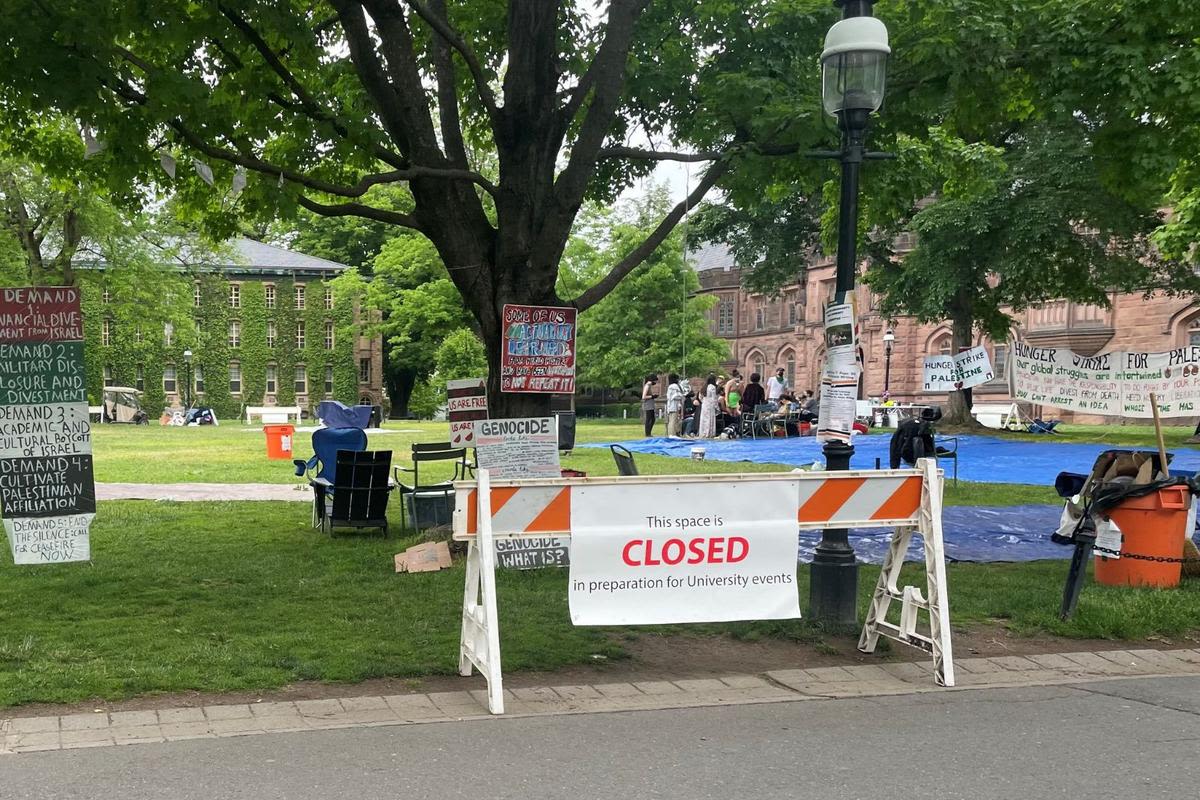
(1140,557)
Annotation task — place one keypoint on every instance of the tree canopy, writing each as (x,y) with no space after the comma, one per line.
(500,118)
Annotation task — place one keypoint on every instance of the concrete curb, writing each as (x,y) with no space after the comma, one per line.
(103,729)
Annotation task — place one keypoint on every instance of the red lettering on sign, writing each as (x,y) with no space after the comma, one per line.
(717,550)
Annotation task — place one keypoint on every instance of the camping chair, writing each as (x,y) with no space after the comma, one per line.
(1039,426)
(358,495)
(942,453)
(759,421)
(624,459)
(321,469)
(432,492)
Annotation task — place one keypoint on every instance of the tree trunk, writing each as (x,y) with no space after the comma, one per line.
(400,388)
(958,408)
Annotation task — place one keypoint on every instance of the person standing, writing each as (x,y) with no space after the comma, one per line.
(649,395)
(707,428)
(753,395)
(733,388)
(776,386)
(674,405)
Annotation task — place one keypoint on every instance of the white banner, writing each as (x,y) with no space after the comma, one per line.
(690,552)
(49,540)
(518,448)
(963,370)
(466,402)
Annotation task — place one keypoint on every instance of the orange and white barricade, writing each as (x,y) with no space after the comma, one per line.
(908,500)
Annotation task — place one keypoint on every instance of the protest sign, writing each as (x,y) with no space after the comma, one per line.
(47,489)
(963,370)
(839,377)
(654,554)
(1173,377)
(1054,376)
(538,354)
(466,402)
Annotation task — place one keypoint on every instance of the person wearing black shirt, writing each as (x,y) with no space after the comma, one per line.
(754,394)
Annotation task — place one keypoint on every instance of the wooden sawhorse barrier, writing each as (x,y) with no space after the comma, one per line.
(908,500)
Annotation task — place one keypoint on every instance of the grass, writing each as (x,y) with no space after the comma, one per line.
(245,596)
(232,453)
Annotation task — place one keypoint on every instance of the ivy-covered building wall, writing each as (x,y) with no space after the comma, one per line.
(272,327)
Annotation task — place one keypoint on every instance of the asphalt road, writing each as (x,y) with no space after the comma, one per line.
(1130,739)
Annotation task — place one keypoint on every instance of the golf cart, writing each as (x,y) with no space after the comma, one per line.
(121,404)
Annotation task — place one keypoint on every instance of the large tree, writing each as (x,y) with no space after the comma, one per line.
(324,100)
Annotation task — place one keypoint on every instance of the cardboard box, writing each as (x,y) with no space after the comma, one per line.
(425,557)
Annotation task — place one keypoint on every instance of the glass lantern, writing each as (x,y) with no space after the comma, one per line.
(854,65)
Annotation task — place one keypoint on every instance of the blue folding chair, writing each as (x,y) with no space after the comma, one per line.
(321,469)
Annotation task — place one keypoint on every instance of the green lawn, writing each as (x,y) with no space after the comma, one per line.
(246,596)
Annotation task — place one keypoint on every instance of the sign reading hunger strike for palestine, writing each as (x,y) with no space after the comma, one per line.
(538,353)
(47,492)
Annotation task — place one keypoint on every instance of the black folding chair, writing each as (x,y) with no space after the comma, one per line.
(438,494)
(758,421)
(360,491)
(624,459)
(943,453)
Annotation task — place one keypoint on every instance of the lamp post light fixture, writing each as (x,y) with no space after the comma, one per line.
(187,385)
(853,75)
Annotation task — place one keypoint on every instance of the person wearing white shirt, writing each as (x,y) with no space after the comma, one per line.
(675,395)
(776,386)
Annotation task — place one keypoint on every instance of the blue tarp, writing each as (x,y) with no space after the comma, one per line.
(339,415)
(981,458)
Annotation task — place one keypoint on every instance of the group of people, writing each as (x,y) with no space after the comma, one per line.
(722,403)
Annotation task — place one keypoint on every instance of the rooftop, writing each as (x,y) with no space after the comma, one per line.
(238,255)
(710,255)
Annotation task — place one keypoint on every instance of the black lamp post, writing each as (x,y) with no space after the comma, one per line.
(888,337)
(187,379)
(853,69)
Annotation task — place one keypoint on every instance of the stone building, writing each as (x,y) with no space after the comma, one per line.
(785,331)
(263,326)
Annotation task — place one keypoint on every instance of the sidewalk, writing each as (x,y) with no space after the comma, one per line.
(197,492)
(103,729)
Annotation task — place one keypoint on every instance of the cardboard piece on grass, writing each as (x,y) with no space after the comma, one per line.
(424,557)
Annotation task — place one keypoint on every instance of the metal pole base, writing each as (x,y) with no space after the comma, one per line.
(833,584)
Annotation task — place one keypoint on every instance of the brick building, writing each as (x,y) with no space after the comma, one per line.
(785,331)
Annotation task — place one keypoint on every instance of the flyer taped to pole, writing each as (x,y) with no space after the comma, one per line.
(839,378)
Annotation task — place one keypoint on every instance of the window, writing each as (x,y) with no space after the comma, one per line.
(301,379)
(328,379)
(725,316)
(169,378)
(328,299)
(107,296)
(235,378)
(299,335)
(328,334)
(137,334)
(999,360)
(168,334)
(106,332)
(790,366)
(941,345)
(272,378)
(1194,333)
(140,379)
(758,366)
(792,315)
(759,318)
(108,381)
(364,370)
(198,379)
(196,294)
(269,289)
(235,334)
(299,295)
(270,334)
(235,295)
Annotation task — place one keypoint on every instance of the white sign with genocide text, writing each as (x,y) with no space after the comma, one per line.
(690,552)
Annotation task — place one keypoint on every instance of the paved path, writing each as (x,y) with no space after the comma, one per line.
(1102,741)
(77,731)
(196,492)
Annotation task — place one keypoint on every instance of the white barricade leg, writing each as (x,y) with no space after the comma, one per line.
(935,601)
(480,642)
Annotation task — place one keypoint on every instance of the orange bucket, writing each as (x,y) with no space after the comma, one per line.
(1152,525)
(279,441)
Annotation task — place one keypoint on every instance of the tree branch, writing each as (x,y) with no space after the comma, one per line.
(442,26)
(360,210)
(656,155)
(308,104)
(640,253)
(447,85)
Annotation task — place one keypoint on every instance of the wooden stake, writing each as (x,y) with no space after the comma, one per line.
(1162,448)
